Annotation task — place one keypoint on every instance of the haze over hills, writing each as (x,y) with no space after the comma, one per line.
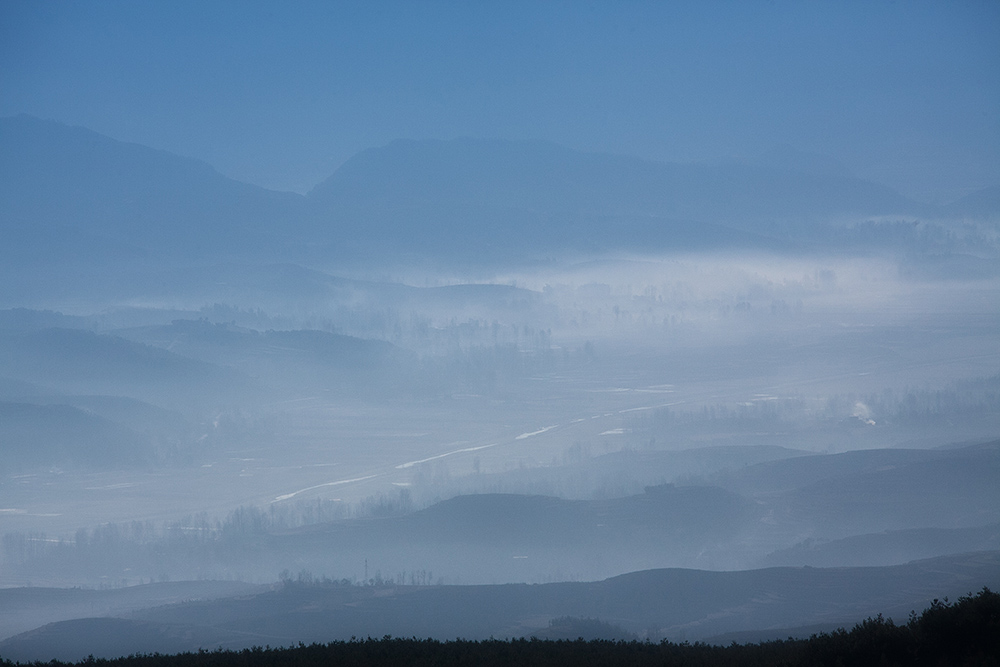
(82,195)
(980,204)
(675,604)
(116,195)
(78,361)
(41,435)
(836,515)
(629,319)
(480,361)
(516,197)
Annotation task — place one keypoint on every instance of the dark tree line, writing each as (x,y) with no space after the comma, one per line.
(966,632)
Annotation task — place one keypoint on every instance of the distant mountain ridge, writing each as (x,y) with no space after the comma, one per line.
(558,195)
(69,194)
(513,198)
(979,204)
(70,179)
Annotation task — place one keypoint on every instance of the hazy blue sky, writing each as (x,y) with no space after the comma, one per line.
(281,93)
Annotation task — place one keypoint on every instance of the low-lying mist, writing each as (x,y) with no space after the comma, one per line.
(198,433)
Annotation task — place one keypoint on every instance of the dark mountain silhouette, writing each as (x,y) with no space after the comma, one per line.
(23,609)
(673,603)
(677,603)
(116,637)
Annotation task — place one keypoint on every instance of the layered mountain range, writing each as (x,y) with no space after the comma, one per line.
(764,364)
(67,194)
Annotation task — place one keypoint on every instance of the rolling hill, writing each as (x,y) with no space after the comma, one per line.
(34,436)
(674,604)
(76,361)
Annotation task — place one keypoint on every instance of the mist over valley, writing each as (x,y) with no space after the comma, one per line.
(476,387)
